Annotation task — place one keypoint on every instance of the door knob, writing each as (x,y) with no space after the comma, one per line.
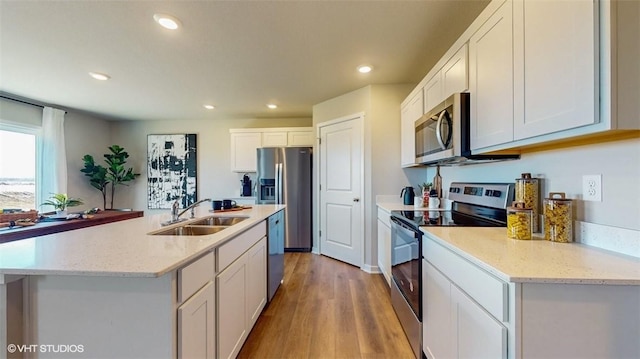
(356,199)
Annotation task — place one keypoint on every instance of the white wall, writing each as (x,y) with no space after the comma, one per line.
(215,179)
(84,134)
(382,172)
(561,170)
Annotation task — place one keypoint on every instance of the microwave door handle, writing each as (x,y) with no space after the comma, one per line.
(439,130)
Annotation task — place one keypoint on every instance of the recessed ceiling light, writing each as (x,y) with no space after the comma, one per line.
(99,76)
(167,21)
(209,107)
(363,69)
(272,106)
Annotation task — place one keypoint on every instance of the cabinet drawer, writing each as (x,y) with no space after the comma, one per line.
(230,251)
(487,290)
(384,217)
(195,276)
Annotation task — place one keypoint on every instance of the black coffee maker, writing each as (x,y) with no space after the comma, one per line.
(246,186)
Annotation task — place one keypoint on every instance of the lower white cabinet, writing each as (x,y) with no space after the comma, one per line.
(384,244)
(476,334)
(242,294)
(196,325)
(436,317)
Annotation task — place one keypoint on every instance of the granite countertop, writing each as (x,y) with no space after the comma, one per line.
(122,249)
(537,260)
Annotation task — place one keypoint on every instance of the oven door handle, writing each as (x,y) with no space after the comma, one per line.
(411,232)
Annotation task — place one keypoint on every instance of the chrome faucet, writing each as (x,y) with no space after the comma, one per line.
(190,207)
(175,214)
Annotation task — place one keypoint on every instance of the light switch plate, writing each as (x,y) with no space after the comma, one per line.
(592,188)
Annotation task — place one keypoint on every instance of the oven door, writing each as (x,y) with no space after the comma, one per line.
(405,262)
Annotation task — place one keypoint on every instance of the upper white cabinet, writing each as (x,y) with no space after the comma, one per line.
(432,91)
(491,79)
(243,150)
(274,139)
(410,111)
(300,138)
(245,141)
(454,74)
(555,87)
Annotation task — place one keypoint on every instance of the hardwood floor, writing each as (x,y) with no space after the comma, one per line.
(327,309)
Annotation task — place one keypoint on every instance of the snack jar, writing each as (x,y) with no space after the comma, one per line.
(558,218)
(527,191)
(519,221)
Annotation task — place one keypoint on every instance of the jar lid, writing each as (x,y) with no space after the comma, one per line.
(518,206)
(526,176)
(558,196)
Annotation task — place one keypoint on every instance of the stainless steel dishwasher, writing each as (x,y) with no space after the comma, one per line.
(275,237)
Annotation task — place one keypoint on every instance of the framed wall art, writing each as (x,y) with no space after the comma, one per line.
(171,170)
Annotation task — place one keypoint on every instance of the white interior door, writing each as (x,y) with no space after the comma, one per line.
(341,220)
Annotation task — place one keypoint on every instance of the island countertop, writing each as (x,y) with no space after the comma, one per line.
(122,249)
(537,260)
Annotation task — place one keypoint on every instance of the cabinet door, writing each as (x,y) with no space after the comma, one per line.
(256,281)
(300,138)
(274,139)
(436,308)
(409,114)
(477,334)
(491,80)
(556,85)
(196,325)
(232,308)
(433,94)
(384,250)
(454,73)
(243,151)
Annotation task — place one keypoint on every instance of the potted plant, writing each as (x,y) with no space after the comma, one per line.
(60,201)
(115,173)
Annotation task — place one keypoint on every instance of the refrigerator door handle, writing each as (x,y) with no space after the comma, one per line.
(278,183)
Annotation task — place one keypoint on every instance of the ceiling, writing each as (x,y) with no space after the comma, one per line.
(236,55)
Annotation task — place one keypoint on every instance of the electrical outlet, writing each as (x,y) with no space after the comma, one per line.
(592,188)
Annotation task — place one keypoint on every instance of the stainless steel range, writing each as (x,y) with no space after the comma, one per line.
(474,205)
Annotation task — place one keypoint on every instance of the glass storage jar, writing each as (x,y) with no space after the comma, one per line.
(527,190)
(519,221)
(558,218)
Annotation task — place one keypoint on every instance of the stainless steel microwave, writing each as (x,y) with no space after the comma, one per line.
(443,135)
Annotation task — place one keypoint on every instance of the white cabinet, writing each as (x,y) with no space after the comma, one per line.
(245,141)
(436,313)
(410,111)
(243,151)
(556,70)
(300,138)
(384,244)
(196,313)
(454,74)
(232,308)
(476,334)
(274,139)
(432,90)
(241,288)
(256,281)
(491,79)
(196,325)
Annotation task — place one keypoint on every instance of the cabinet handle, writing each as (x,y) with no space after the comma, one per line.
(356,199)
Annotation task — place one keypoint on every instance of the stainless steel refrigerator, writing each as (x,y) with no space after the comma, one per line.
(284,177)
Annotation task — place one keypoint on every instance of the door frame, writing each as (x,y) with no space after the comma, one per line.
(359,118)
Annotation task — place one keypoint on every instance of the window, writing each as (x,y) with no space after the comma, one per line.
(18,166)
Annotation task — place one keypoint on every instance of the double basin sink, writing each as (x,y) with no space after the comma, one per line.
(201,227)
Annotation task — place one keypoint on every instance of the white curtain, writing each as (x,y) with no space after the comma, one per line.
(53,159)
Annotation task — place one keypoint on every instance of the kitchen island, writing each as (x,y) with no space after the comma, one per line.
(117,291)
(486,295)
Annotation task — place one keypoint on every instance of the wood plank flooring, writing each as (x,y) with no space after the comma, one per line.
(327,309)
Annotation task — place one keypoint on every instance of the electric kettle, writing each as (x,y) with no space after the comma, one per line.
(407,194)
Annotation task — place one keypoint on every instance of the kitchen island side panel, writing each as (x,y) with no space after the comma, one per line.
(580,321)
(110,317)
